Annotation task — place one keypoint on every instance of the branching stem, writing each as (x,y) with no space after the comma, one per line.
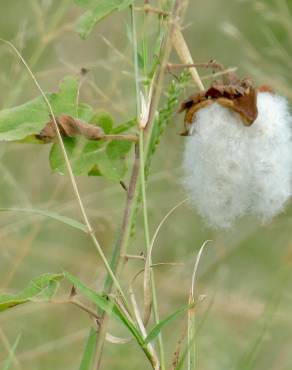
(71,175)
(120,249)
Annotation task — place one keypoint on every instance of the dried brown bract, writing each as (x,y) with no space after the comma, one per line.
(232,92)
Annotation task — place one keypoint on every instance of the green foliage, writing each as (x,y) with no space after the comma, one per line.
(97,10)
(53,215)
(105,304)
(42,288)
(103,120)
(165,115)
(89,351)
(30,118)
(154,332)
(94,158)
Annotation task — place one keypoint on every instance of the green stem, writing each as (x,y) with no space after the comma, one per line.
(147,239)
(71,175)
(120,250)
(121,245)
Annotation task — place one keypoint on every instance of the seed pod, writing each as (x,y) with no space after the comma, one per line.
(236,165)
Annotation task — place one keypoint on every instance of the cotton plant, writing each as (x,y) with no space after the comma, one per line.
(238,153)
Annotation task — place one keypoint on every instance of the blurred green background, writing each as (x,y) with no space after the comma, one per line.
(245,321)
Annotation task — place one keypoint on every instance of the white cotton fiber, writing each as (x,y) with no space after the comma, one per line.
(231,170)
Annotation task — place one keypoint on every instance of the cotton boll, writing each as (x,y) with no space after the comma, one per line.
(270,153)
(232,170)
(215,166)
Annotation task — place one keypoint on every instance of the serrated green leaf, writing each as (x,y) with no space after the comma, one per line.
(64,101)
(154,332)
(42,288)
(112,169)
(89,351)
(92,157)
(53,215)
(85,112)
(98,9)
(8,363)
(26,119)
(30,118)
(118,149)
(83,155)
(104,120)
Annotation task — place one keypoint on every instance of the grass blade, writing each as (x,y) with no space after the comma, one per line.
(89,351)
(112,309)
(8,362)
(41,288)
(53,215)
(157,328)
(192,344)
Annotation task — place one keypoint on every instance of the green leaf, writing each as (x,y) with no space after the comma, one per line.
(92,157)
(27,119)
(86,3)
(94,171)
(64,101)
(83,155)
(165,115)
(95,158)
(30,118)
(118,149)
(104,120)
(89,351)
(106,305)
(42,288)
(158,327)
(85,112)
(53,215)
(112,169)
(9,360)
(101,301)
(97,10)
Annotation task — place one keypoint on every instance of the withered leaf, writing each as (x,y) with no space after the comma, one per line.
(69,127)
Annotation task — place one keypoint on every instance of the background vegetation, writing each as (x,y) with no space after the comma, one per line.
(245,321)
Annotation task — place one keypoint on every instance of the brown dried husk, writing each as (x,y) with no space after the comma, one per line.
(238,95)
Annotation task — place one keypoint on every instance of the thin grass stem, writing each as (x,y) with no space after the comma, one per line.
(70,172)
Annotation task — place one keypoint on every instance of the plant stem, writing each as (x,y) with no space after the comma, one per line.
(120,249)
(71,175)
(148,246)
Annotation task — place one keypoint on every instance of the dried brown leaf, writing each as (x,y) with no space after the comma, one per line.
(70,127)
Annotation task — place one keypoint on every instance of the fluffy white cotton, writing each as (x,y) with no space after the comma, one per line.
(231,170)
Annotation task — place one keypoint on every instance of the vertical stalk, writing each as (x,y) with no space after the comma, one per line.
(120,250)
(121,245)
(147,239)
